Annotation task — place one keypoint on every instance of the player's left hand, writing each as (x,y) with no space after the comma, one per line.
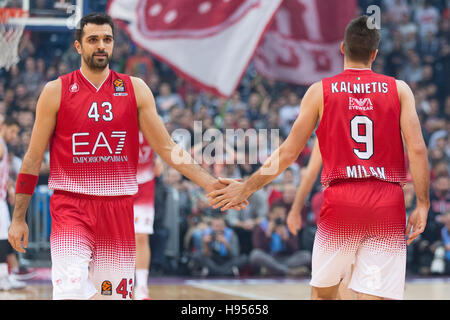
(230,196)
(417,221)
(220,185)
(294,221)
(18,235)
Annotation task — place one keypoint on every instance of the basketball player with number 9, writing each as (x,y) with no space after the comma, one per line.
(364,118)
(91,118)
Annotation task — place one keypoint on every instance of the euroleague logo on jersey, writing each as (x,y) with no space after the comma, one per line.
(74,88)
(106,288)
(119,88)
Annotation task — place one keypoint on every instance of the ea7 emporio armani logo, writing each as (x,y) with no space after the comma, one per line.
(360,104)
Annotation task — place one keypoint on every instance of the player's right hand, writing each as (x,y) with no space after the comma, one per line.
(219,185)
(416,223)
(18,235)
(294,221)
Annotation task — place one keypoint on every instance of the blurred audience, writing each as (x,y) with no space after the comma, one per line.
(275,249)
(216,250)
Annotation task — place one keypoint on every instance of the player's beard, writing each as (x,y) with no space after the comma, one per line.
(95,63)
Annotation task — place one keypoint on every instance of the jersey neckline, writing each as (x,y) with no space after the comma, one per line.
(91,84)
(358,70)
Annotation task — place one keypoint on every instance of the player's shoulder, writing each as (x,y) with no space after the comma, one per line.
(136,81)
(315,89)
(401,84)
(53,86)
(139,86)
(142,92)
(316,86)
(403,88)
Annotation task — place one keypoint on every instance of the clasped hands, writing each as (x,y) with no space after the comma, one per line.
(229,194)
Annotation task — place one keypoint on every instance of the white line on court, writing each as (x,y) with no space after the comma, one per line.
(211,287)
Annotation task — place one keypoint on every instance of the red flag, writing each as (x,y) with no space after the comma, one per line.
(210,43)
(302,45)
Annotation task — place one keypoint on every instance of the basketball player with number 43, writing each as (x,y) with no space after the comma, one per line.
(91,120)
(364,118)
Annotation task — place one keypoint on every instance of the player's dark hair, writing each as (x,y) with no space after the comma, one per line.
(360,41)
(97,18)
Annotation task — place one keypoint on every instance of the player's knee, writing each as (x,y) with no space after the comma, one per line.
(141,239)
(329,293)
(365,296)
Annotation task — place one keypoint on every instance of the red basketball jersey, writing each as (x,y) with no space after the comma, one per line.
(94,148)
(359,133)
(145,164)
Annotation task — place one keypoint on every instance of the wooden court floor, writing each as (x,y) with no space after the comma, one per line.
(237,289)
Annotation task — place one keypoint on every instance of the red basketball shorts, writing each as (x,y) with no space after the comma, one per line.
(92,246)
(362,222)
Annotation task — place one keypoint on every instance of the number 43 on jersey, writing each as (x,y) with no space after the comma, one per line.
(104,113)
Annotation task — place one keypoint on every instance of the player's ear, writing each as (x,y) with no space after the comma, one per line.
(374,55)
(77,45)
(342,47)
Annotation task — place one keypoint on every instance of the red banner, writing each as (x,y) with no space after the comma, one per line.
(302,45)
(209,43)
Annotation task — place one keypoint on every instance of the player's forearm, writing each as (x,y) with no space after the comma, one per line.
(31,163)
(20,206)
(420,172)
(181,160)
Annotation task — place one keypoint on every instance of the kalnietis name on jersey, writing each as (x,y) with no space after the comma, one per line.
(360,171)
(366,88)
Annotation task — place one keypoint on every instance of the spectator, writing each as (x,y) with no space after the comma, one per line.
(445,231)
(396,9)
(71,58)
(427,18)
(244,221)
(158,239)
(140,64)
(166,99)
(288,176)
(429,47)
(289,112)
(410,204)
(429,241)
(177,208)
(287,196)
(217,250)
(413,69)
(275,249)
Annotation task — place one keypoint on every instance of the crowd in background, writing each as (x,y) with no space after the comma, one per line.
(192,238)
